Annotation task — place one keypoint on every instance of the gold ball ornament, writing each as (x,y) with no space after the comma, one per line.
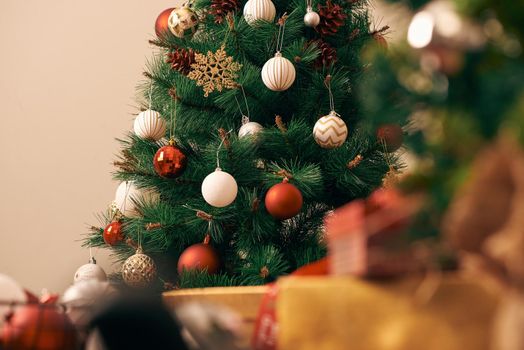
(256,10)
(278,73)
(330,131)
(181,21)
(139,270)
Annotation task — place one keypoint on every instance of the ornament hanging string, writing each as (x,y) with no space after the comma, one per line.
(327,83)
(309,4)
(280,38)
(245,118)
(173,118)
(218,149)
(150,93)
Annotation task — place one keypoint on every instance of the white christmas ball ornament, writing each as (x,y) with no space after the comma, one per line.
(278,74)
(311,18)
(149,125)
(127,195)
(249,129)
(330,131)
(219,188)
(82,300)
(90,271)
(255,10)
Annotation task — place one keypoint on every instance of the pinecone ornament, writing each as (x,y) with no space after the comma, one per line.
(220,8)
(332,17)
(328,54)
(181,60)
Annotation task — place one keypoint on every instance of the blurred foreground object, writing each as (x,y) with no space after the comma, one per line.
(209,326)
(39,326)
(135,322)
(411,313)
(367,237)
(486,222)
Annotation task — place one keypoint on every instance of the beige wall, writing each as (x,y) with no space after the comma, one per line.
(68,69)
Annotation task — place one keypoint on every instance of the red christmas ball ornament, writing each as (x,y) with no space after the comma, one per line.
(199,256)
(391,136)
(283,200)
(39,327)
(161,27)
(113,233)
(170,161)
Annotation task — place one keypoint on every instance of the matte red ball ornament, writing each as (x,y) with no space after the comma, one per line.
(283,200)
(113,233)
(161,27)
(39,327)
(391,136)
(199,256)
(170,161)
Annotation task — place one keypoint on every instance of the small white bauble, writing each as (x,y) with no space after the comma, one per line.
(249,129)
(10,291)
(278,73)
(84,298)
(255,10)
(149,125)
(90,271)
(127,194)
(311,18)
(219,188)
(330,131)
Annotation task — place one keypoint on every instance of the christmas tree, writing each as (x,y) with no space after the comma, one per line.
(251,130)
(458,85)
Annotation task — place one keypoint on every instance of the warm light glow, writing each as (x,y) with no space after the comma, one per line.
(448,24)
(420,30)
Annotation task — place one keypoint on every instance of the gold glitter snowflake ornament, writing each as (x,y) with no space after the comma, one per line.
(214,71)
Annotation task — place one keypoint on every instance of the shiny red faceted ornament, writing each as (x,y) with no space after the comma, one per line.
(161,27)
(283,200)
(170,161)
(391,135)
(200,256)
(39,326)
(113,233)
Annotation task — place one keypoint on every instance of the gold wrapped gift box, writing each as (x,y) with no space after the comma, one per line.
(328,313)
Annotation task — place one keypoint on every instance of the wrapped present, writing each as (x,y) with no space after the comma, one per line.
(331,313)
(365,237)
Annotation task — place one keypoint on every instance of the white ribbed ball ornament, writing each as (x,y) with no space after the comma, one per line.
(149,125)
(278,73)
(330,131)
(219,188)
(255,10)
(127,194)
(90,271)
(311,18)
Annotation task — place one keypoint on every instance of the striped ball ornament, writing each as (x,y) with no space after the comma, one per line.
(330,131)
(255,10)
(149,125)
(278,74)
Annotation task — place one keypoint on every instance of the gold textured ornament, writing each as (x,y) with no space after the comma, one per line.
(139,270)
(182,20)
(214,71)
